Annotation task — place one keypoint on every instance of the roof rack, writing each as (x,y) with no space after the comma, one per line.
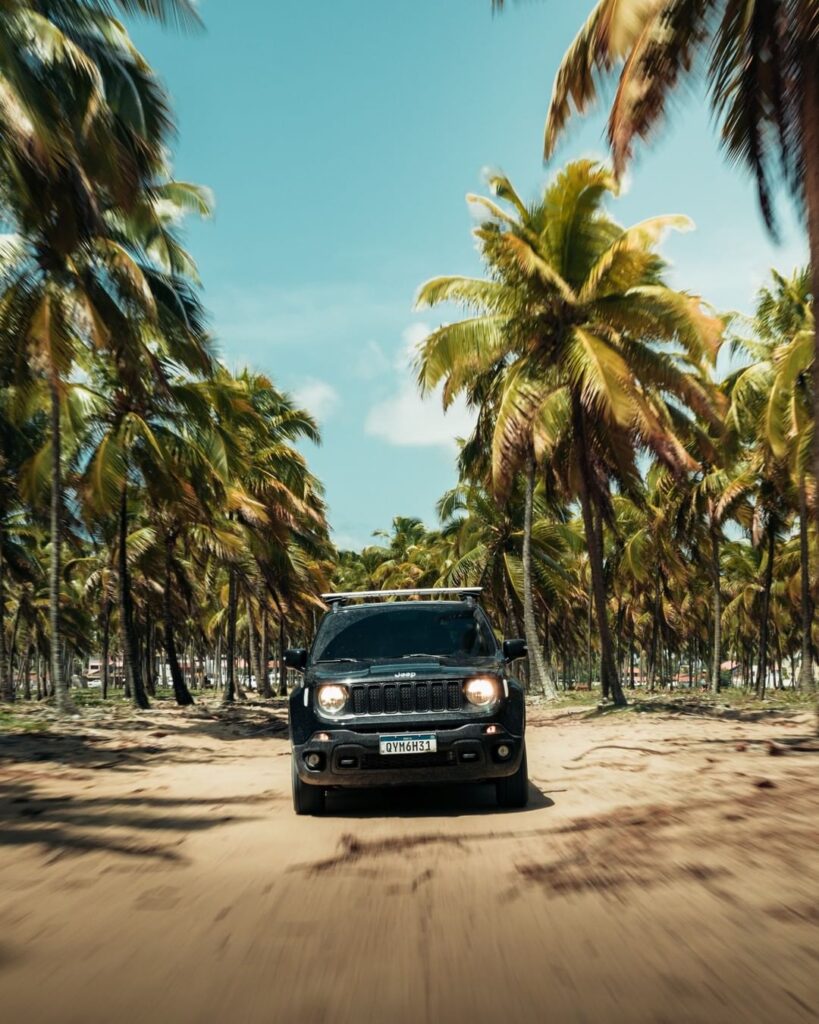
(464,593)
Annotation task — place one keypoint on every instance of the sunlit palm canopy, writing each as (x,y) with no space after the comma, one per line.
(575,310)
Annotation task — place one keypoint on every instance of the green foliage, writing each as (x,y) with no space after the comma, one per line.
(159,473)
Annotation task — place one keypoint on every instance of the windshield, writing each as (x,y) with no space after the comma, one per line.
(385,632)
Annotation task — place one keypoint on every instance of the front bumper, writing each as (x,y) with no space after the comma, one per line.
(466,753)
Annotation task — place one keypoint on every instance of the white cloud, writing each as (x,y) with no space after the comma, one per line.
(408,420)
(350,541)
(413,337)
(317,397)
(371,361)
(405,418)
(266,317)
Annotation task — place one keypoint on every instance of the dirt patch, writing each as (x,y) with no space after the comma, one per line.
(658,881)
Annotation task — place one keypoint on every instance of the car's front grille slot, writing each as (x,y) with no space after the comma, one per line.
(391,761)
(407,698)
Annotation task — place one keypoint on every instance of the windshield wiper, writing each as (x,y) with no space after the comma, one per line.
(337,661)
(406,657)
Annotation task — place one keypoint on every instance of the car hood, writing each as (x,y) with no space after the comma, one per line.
(396,671)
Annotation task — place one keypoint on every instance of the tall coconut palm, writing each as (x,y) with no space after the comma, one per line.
(146,323)
(274,501)
(483,392)
(578,314)
(772,404)
(761,69)
(18,443)
(486,546)
(87,123)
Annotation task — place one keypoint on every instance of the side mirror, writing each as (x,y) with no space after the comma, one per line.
(296,658)
(514,649)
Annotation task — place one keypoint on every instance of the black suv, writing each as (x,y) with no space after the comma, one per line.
(406,691)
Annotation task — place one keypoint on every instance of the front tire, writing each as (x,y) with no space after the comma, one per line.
(306,799)
(513,791)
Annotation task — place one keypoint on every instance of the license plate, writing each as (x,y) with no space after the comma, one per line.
(409,743)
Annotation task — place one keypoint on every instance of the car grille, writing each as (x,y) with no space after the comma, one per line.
(407,698)
(391,761)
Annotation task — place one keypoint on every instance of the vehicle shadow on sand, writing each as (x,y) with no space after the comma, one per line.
(441,801)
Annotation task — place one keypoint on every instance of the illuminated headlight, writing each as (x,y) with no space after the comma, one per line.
(481,691)
(332,698)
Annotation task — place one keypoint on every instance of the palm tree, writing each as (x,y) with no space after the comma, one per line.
(408,558)
(649,565)
(274,502)
(18,443)
(483,549)
(486,548)
(762,75)
(771,403)
(577,313)
(75,153)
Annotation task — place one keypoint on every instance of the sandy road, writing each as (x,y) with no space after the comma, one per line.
(157,873)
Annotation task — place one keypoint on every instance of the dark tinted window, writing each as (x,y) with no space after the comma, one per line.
(385,632)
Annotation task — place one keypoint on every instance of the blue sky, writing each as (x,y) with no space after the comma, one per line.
(340,138)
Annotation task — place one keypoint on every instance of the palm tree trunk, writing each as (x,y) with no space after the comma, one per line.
(106,646)
(511,608)
(506,603)
(717,608)
(810,155)
(618,628)
(148,654)
(548,650)
(762,670)
(130,653)
(538,676)
(238,683)
(660,656)
(182,694)
(252,648)
(652,647)
(58,684)
(806,680)
(589,617)
(257,652)
(282,666)
(25,671)
(6,685)
(593,526)
(265,689)
(229,696)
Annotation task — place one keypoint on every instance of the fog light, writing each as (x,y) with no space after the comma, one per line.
(503,751)
(312,760)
